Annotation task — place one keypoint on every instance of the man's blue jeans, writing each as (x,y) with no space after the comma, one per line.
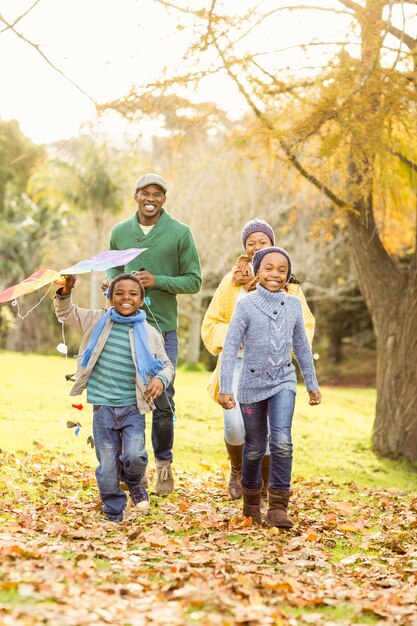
(278,410)
(163,415)
(119,437)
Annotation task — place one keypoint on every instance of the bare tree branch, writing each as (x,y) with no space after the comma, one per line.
(45,58)
(409,41)
(17,20)
(405,160)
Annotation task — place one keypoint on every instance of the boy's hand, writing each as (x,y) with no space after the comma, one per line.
(226,400)
(153,389)
(69,282)
(105,285)
(315,396)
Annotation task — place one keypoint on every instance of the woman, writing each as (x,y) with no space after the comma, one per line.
(256,234)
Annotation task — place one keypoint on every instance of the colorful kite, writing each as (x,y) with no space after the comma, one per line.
(98,263)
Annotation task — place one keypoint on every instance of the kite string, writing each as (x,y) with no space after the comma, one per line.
(16,304)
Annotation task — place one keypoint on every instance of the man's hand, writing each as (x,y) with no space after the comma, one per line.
(315,397)
(153,389)
(147,279)
(226,400)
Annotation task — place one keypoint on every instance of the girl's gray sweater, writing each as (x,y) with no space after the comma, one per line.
(269,326)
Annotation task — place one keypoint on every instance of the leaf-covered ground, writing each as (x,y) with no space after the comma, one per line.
(350,559)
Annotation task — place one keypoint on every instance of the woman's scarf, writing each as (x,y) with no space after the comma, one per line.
(146,363)
(243,274)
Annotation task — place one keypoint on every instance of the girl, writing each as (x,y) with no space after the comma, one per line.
(237,284)
(268,324)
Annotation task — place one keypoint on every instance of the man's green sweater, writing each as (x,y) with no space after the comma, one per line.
(171,256)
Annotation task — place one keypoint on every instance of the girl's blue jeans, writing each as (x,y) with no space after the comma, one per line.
(119,437)
(277,413)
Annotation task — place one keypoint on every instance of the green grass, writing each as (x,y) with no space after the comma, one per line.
(331,441)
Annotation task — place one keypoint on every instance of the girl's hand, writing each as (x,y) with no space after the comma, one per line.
(315,397)
(153,389)
(226,400)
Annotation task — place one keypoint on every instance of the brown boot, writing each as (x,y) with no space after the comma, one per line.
(235,456)
(266,463)
(278,505)
(252,503)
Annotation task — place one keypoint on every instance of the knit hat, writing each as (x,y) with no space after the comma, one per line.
(257,226)
(150,179)
(259,255)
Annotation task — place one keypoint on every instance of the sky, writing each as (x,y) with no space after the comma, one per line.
(105,47)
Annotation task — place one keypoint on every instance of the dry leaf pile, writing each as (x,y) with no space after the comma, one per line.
(350,559)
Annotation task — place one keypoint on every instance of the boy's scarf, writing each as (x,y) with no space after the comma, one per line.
(243,274)
(146,364)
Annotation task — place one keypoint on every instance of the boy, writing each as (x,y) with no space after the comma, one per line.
(124,367)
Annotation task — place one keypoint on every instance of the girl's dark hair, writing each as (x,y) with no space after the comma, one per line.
(125,276)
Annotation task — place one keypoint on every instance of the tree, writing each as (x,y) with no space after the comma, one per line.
(18,158)
(348,127)
(212,187)
(84,176)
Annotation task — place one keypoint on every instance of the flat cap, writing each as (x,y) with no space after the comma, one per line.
(150,179)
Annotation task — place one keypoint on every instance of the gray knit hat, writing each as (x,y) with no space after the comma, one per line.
(259,255)
(257,226)
(150,179)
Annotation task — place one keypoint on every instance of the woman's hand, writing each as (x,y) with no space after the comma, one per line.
(226,400)
(315,397)
(153,389)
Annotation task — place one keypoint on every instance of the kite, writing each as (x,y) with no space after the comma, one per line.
(97,263)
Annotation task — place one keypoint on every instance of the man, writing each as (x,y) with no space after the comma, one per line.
(169,266)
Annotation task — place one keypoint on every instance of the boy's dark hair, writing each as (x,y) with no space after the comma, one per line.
(125,276)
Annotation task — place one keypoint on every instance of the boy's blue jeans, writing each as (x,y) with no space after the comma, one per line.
(119,437)
(164,414)
(278,410)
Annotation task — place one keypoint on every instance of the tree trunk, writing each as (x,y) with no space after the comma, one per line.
(395,426)
(391,297)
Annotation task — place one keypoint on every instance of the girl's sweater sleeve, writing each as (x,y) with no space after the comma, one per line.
(231,346)
(302,351)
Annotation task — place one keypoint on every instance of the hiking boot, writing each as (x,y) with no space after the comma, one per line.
(235,456)
(252,503)
(164,478)
(140,497)
(277,514)
(115,518)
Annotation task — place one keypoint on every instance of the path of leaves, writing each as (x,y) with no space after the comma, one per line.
(350,559)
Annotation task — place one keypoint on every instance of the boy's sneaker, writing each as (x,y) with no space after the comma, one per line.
(140,497)
(164,478)
(116,519)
